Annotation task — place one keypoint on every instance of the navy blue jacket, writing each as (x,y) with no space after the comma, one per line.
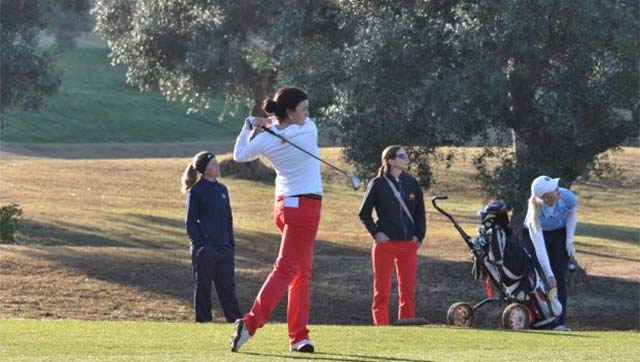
(208,216)
(392,219)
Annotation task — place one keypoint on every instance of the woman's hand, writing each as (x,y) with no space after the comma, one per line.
(416,240)
(259,122)
(551,282)
(381,237)
(571,248)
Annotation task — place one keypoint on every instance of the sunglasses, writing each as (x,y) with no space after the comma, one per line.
(402,156)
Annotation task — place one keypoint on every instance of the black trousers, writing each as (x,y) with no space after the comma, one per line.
(555,241)
(214,265)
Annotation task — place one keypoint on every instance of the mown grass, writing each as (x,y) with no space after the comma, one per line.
(22,340)
(94,104)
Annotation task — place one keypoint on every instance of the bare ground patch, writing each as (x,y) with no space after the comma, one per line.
(118,283)
(103,239)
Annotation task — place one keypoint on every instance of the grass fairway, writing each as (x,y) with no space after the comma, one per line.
(29,340)
(94,104)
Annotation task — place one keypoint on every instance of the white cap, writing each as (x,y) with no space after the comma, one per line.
(543,184)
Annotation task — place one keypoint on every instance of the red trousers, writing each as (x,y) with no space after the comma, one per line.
(292,270)
(404,254)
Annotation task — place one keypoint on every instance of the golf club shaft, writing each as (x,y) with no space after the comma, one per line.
(268,130)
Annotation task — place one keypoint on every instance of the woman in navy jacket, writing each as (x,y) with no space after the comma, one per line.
(397,235)
(209,225)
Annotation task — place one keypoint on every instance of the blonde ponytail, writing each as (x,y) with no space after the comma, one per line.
(533,213)
(189,178)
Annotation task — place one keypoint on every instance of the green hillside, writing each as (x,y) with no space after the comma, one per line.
(95,104)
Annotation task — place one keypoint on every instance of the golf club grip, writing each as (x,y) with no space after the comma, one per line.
(270,131)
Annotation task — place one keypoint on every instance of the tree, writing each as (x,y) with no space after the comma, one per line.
(27,74)
(558,75)
(196,50)
(378,70)
(192,50)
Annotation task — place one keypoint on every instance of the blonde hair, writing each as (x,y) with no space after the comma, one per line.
(533,213)
(189,178)
(388,153)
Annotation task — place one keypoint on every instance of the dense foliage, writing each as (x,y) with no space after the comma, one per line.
(28,73)
(561,77)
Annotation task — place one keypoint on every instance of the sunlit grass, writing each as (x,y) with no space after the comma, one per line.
(22,340)
(141,198)
(94,104)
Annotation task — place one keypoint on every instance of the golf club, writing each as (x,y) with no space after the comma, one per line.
(354,180)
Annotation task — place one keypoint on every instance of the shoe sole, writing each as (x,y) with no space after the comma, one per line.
(236,337)
(307,348)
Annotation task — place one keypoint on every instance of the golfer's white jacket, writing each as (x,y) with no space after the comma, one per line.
(297,173)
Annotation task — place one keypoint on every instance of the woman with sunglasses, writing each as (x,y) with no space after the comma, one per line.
(398,232)
(550,225)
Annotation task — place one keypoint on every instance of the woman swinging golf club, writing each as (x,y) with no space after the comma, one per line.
(296,212)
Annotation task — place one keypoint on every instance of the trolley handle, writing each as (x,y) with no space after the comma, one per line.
(464,235)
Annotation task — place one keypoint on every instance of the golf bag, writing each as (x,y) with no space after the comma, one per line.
(500,258)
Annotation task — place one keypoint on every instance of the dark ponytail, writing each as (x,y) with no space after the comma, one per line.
(389,153)
(269,106)
(285,98)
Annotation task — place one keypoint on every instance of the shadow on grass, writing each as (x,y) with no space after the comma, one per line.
(543,331)
(608,256)
(341,288)
(63,233)
(320,356)
(371,358)
(625,234)
(67,234)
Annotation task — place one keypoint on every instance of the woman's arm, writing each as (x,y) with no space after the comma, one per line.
(541,251)
(420,216)
(572,221)
(230,220)
(191,217)
(367,207)
(245,151)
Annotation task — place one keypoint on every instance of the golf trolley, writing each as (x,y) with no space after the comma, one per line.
(507,267)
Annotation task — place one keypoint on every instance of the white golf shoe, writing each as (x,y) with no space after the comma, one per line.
(304,345)
(562,328)
(240,336)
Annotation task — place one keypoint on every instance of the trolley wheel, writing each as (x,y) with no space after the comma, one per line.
(516,316)
(460,314)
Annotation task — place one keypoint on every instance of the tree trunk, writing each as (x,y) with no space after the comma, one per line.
(521,150)
(262,90)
